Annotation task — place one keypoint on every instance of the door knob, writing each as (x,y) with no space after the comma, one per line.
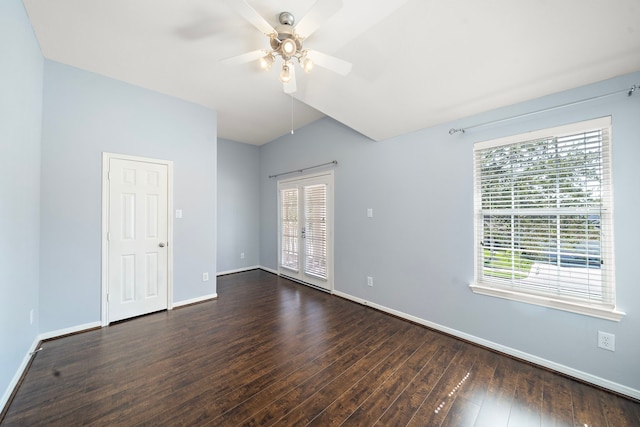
(161,245)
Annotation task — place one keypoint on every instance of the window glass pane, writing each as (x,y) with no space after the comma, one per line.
(289,228)
(315,240)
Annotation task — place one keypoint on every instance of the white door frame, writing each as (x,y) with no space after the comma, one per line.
(330,202)
(106,157)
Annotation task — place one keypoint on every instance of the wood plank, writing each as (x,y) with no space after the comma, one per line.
(340,410)
(557,404)
(587,406)
(391,379)
(620,411)
(233,411)
(463,413)
(496,406)
(526,408)
(438,403)
(309,409)
(284,404)
(409,401)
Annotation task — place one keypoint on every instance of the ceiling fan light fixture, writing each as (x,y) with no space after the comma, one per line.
(288,47)
(266,62)
(285,74)
(307,64)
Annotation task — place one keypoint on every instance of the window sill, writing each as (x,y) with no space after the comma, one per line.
(574,307)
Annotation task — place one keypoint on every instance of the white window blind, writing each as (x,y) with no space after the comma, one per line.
(289,239)
(315,230)
(543,212)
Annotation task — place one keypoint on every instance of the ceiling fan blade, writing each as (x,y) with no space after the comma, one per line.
(329,62)
(251,15)
(244,58)
(290,86)
(319,13)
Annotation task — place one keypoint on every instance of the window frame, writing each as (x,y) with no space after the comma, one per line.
(496,287)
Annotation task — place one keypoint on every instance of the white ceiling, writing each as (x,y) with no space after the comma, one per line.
(416,63)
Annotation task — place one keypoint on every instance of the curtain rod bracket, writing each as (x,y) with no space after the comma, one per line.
(632,90)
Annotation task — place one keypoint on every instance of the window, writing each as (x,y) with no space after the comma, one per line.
(543,218)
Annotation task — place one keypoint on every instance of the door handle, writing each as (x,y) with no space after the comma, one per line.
(161,245)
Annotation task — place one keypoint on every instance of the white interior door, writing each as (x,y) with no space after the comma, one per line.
(137,238)
(306,229)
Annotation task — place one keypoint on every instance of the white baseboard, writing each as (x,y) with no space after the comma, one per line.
(254,267)
(67,331)
(16,378)
(237,270)
(600,382)
(27,357)
(195,300)
(270,270)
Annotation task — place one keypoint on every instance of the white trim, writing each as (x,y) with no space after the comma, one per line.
(237,270)
(106,157)
(593,379)
(270,270)
(195,300)
(66,331)
(19,372)
(27,357)
(573,307)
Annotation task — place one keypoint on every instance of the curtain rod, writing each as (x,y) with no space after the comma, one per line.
(333,162)
(629,92)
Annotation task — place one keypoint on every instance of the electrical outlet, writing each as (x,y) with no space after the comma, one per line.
(205,277)
(369,281)
(241,255)
(606,341)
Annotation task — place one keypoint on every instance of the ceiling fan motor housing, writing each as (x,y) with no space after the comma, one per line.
(286,18)
(286,34)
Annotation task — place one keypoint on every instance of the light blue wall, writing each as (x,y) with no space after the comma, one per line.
(85,114)
(238,205)
(418,247)
(21,67)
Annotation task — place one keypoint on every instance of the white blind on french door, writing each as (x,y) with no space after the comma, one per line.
(289,238)
(315,230)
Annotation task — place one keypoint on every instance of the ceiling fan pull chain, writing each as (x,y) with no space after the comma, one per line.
(291,114)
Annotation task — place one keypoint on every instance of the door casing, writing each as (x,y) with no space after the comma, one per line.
(106,157)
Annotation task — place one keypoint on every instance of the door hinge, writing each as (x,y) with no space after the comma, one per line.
(108,236)
(107,297)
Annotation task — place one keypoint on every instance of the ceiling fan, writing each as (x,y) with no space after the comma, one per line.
(286,41)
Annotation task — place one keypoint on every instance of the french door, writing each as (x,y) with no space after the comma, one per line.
(305,229)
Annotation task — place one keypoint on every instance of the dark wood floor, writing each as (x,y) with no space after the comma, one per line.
(272,352)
